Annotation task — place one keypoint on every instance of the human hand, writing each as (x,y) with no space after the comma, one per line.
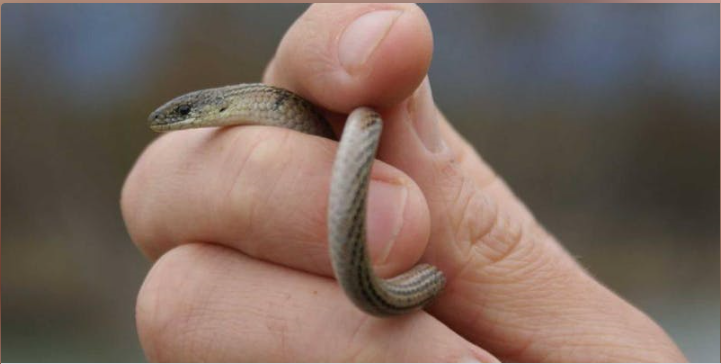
(235,221)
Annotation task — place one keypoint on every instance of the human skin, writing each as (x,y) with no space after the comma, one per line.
(234,220)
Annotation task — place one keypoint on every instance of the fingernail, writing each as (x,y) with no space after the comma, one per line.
(386,206)
(424,117)
(362,37)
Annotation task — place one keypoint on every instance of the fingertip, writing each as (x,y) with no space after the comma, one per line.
(400,62)
(341,56)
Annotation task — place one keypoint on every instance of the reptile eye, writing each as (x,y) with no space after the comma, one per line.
(183,109)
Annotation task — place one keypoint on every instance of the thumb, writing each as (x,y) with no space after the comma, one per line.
(511,287)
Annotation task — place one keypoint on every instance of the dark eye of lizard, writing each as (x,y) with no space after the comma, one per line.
(183,109)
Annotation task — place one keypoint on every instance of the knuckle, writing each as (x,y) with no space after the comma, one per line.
(255,166)
(171,319)
(485,230)
(143,185)
(158,315)
(270,182)
(490,228)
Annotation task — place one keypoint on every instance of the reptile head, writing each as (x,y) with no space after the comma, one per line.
(187,111)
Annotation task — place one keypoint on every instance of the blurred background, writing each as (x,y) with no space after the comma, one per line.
(603,118)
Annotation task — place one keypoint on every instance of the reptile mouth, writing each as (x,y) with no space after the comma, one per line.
(164,125)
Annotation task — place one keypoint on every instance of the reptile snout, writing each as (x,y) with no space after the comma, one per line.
(154,117)
(157,119)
